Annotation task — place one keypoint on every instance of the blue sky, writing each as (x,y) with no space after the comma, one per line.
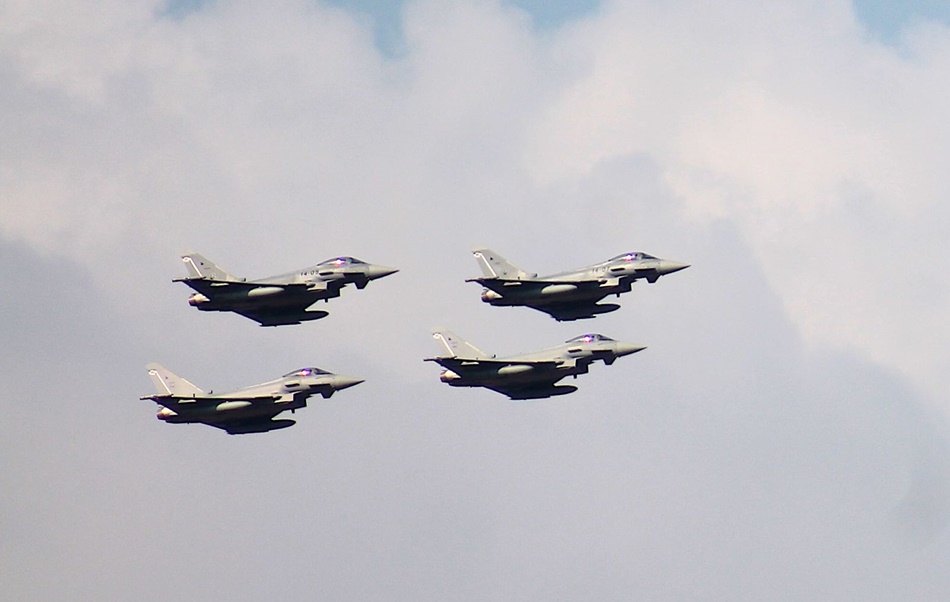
(883,18)
(387,22)
(386,15)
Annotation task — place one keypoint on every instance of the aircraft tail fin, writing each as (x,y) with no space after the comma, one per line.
(494,265)
(169,383)
(200,267)
(455,346)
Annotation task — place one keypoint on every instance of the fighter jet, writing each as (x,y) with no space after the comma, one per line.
(569,295)
(529,375)
(248,410)
(275,300)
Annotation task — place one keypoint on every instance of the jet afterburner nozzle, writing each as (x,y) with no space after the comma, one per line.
(448,376)
(197,299)
(165,413)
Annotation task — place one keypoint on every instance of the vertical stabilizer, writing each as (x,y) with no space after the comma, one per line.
(494,265)
(456,347)
(200,267)
(169,383)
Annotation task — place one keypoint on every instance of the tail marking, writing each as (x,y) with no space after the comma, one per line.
(494,265)
(168,383)
(456,346)
(200,267)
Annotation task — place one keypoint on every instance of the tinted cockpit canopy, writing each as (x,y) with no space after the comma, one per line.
(305,372)
(341,261)
(633,256)
(589,338)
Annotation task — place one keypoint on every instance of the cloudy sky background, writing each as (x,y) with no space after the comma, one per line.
(785,436)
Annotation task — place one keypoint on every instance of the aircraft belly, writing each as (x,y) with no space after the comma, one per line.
(553,294)
(512,375)
(280,298)
(272,310)
(228,411)
(579,295)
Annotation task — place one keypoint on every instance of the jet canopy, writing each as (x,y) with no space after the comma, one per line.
(341,261)
(633,256)
(589,338)
(305,372)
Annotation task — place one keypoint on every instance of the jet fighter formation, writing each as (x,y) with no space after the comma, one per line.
(289,298)
(565,296)
(571,295)
(248,410)
(276,300)
(527,375)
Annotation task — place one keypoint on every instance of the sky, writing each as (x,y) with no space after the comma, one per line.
(785,435)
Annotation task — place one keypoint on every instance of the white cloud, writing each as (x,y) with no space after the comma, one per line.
(777,416)
(822,146)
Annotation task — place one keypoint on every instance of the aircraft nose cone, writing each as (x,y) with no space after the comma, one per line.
(668,267)
(623,349)
(379,271)
(345,382)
